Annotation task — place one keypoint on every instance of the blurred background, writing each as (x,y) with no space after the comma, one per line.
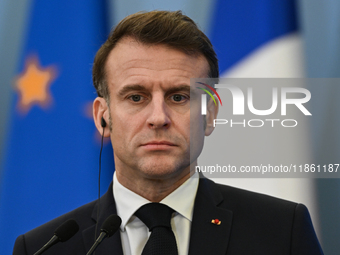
(49,146)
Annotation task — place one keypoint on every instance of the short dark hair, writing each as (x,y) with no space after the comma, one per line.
(173,29)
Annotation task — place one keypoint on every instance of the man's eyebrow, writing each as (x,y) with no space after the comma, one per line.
(137,87)
(129,88)
(172,90)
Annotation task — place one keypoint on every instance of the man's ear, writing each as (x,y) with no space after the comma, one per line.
(101,110)
(212,110)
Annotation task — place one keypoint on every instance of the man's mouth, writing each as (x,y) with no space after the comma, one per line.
(158,145)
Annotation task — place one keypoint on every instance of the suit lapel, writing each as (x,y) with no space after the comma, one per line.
(206,237)
(110,245)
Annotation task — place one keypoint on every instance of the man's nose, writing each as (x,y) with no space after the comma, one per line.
(159,114)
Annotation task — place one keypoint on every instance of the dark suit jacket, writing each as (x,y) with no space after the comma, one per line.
(251,224)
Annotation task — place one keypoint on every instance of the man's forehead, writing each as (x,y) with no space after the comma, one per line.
(172,64)
(129,53)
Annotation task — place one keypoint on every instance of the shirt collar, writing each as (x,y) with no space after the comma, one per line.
(128,202)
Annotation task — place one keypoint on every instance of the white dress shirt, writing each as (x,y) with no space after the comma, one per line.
(134,233)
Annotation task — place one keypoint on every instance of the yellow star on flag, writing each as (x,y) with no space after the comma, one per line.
(33,84)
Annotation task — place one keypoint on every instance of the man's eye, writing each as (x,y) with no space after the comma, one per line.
(178,97)
(136,98)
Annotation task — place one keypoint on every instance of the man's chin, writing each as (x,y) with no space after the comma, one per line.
(163,170)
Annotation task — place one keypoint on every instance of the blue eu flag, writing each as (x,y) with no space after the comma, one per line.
(52,148)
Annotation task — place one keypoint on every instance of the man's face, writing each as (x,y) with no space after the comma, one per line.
(149,88)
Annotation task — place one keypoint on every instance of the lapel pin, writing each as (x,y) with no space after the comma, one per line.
(216,221)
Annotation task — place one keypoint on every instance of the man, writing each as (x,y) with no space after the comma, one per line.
(142,77)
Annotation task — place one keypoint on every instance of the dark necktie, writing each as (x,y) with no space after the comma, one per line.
(157,218)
